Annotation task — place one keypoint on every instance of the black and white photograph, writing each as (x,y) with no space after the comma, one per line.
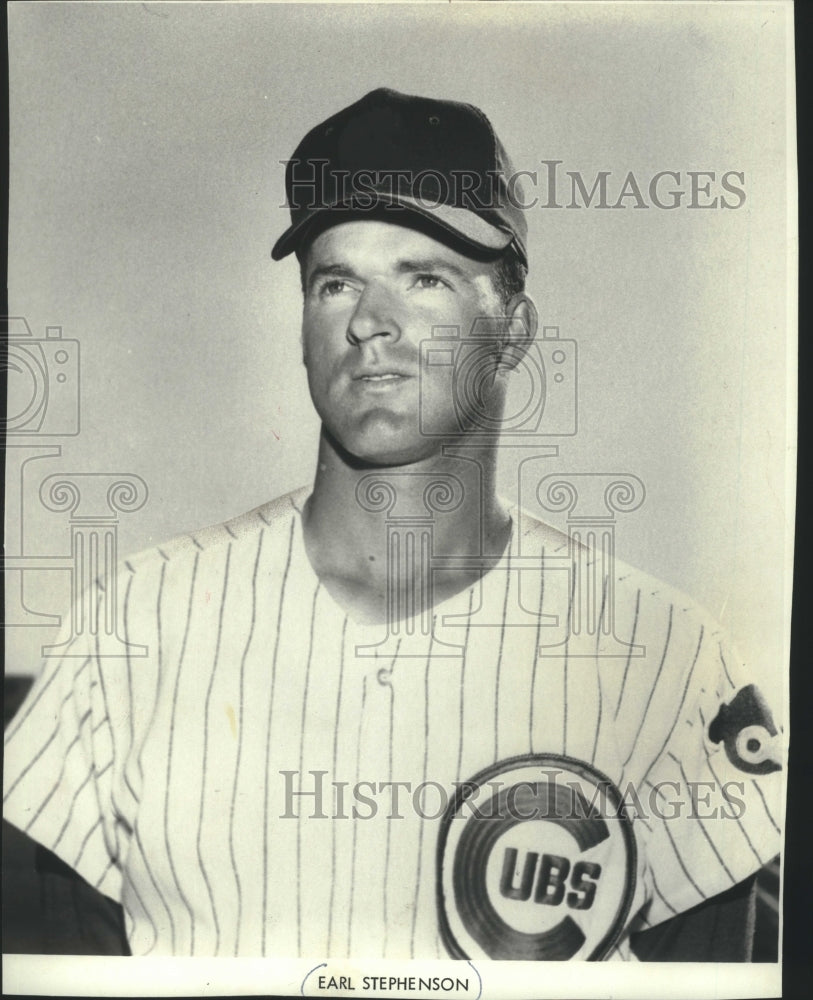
(399,474)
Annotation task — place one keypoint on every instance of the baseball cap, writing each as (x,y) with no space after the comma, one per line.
(440,160)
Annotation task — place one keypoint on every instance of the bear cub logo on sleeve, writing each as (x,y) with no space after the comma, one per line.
(746,729)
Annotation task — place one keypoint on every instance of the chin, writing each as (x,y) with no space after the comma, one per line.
(389,454)
(381,449)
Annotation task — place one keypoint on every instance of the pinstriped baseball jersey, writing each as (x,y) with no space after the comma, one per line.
(271,779)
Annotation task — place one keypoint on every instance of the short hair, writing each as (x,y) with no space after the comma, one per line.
(509,275)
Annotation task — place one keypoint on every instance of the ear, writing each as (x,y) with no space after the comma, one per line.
(522,321)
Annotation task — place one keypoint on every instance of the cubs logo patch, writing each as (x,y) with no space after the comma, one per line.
(746,729)
(536,861)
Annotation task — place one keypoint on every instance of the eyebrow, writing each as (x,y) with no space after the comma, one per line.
(406,266)
(431,264)
(330,271)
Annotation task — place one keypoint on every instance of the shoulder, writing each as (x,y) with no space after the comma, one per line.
(626,609)
(273,517)
(590,551)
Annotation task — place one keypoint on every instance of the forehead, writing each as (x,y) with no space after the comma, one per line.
(385,245)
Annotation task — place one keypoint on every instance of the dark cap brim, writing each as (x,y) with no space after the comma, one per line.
(468,227)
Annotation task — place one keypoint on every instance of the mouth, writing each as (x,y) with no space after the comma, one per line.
(381,377)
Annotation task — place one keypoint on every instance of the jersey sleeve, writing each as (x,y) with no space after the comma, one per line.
(710,804)
(58,767)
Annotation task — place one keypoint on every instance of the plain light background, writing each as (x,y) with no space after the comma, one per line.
(147,190)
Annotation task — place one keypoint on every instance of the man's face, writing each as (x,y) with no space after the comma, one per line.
(373,292)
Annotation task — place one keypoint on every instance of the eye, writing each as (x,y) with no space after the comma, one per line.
(333,287)
(429,281)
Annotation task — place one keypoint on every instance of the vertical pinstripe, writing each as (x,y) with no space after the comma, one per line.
(536,653)
(103,876)
(499,659)
(22,716)
(143,857)
(725,669)
(598,671)
(388,682)
(353,855)
(765,804)
(131,724)
(656,757)
(268,731)
(204,762)
(85,840)
(170,749)
(67,820)
(663,898)
(651,690)
(702,827)
(126,731)
(629,654)
(65,755)
(333,825)
(240,738)
(570,608)
(463,685)
(35,759)
(104,770)
(139,758)
(423,779)
(301,765)
(104,721)
(760,861)
(129,666)
(683,867)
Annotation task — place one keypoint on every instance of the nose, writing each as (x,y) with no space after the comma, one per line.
(374,316)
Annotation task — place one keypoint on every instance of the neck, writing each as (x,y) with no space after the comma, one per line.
(355,508)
